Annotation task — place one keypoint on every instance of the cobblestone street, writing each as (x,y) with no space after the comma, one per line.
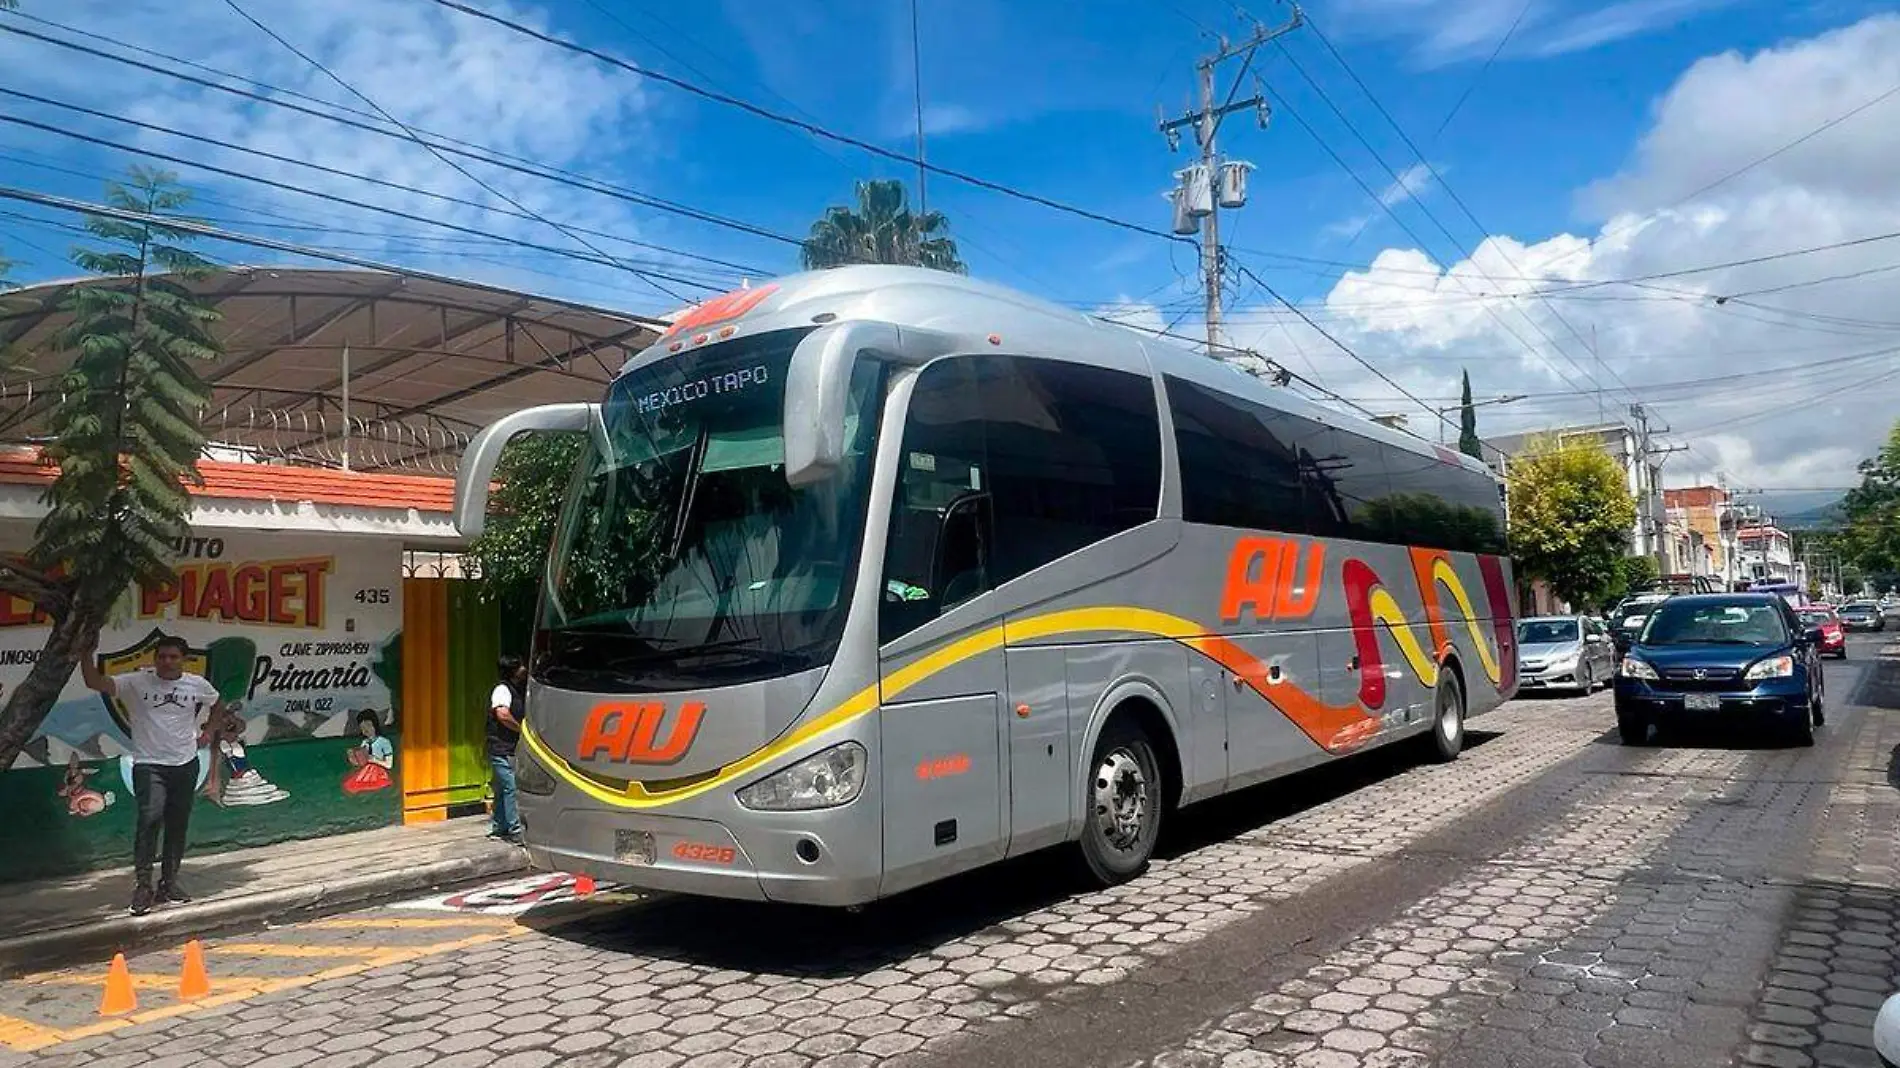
(1550,898)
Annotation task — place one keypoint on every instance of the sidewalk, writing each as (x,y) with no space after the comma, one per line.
(59,921)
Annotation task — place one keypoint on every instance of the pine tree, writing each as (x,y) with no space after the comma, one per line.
(125,436)
(1468,442)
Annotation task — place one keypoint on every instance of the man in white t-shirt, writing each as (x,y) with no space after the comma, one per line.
(167,706)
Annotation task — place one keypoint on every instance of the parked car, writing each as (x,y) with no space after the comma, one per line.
(1863,615)
(1833,636)
(1628,616)
(1564,652)
(1722,658)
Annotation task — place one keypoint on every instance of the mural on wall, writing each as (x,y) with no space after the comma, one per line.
(298,633)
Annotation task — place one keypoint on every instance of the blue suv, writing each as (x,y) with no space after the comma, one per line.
(1721,657)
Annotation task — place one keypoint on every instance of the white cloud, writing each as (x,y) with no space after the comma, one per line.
(1763,424)
(1443,34)
(1412,181)
(433,69)
(1615,22)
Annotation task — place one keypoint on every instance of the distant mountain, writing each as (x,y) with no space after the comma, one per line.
(1802,509)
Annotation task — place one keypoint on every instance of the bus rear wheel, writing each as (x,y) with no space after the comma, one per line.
(1124,799)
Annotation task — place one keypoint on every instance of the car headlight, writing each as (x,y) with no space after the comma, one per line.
(823,780)
(1634,668)
(1775,667)
(530,776)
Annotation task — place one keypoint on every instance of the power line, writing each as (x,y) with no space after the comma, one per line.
(1731,175)
(1409,232)
(1477,78)
(450,145)
(338,172)
(334,198)
(1343,347)
(649,278)
(189,226)
(1457,200)
(809,127)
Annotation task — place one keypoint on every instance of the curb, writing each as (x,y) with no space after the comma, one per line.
(123,933)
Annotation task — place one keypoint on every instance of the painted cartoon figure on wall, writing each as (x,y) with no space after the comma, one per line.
(373,757)
(233,781)
(81,799)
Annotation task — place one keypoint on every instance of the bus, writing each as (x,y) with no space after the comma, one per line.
(874,575)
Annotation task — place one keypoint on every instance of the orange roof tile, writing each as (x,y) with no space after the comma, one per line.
(270,482)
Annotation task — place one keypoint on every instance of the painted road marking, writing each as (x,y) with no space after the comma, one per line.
(287,949)
(511,897)
(25,1036)
(408,923)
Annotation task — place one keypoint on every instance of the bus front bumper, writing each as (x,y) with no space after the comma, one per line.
(812,864)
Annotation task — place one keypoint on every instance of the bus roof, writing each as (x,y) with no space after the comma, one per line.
(1021,324)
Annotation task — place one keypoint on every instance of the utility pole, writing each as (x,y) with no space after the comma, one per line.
(1214,183)
(1649,499)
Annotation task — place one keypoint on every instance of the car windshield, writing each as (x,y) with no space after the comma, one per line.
(1546,631)
(1817,615)
(683,557)
(1715,623)
(1631,615)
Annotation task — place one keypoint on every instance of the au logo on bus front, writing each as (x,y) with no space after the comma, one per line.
(629,732)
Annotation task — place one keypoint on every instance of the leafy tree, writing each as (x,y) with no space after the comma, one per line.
(1468,442)
(125,436)
(881,230)
(1570,517)
(1871,535)
(531,481)
(1632,573)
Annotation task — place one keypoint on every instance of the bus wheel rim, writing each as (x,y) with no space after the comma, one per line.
(1448,718)
(1121,799)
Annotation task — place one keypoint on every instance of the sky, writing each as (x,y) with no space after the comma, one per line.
(1541,193)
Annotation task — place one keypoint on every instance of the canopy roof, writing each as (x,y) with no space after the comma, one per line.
(429,361)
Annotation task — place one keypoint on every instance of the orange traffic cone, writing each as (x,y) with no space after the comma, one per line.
(119,997)
(192,980)
(583,885)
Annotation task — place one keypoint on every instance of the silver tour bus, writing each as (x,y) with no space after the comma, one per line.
(873,575)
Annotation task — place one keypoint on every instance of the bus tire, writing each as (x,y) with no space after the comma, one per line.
(1122,802)
(1448,717)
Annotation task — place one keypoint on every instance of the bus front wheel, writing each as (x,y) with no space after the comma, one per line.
(1124,798)
(1448,717)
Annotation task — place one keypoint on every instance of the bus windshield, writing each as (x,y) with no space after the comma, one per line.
(683,557)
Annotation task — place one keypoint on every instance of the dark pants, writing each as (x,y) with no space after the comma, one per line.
(164,796)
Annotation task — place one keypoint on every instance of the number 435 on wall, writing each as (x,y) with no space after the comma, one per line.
(376,596)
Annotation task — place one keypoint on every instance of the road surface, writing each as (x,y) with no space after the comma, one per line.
(1551,898)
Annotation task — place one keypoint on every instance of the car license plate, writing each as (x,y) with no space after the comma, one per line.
(633,847)
(1702,702)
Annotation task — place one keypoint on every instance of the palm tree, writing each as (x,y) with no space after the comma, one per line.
(881,230)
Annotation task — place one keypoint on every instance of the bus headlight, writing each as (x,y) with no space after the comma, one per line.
(530,776)
(823,780)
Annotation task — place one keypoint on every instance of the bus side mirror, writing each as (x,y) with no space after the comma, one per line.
(477,468)
(817,389)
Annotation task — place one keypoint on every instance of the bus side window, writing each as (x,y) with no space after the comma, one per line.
(937,549)
(1075,457)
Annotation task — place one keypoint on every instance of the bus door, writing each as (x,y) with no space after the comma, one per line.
(943,773)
